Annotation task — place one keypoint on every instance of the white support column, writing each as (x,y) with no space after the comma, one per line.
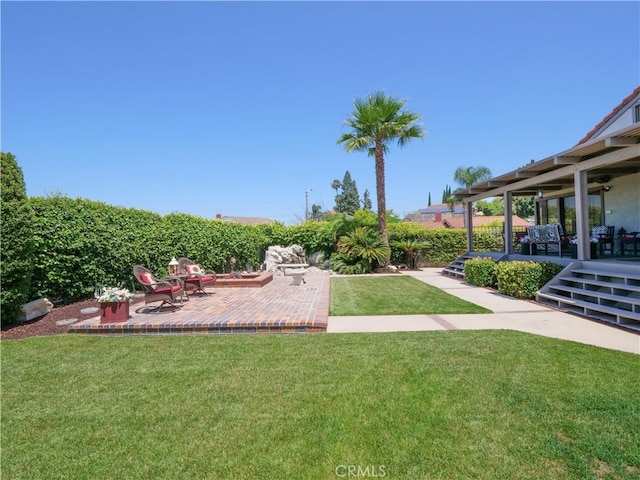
(508,223)
(468,215)
(582,214)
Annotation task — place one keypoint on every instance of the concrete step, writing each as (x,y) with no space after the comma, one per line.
(590,309)
(596,294)
(600,283)
(607,273)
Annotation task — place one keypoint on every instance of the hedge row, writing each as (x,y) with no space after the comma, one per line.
(516,279)
(78,244)
(81,243)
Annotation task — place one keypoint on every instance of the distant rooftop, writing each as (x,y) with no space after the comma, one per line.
(245,220)
(441,208)
(483,220)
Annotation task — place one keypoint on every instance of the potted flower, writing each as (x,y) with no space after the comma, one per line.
(114,304)
(593,241)
(526,247)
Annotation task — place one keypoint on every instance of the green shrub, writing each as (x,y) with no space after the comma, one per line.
(524,279)
(16,250)
(80,243)
(312,236)
(480,271)
(487,241)
(549,270)
(444,244)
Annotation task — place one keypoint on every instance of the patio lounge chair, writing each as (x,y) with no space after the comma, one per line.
(604,234)
(165,291)
(198,279)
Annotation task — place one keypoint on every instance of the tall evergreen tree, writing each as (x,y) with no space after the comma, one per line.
(348,201)
(366,201)
(429,201)
(446,193)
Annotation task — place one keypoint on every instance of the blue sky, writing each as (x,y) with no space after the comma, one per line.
(235,107)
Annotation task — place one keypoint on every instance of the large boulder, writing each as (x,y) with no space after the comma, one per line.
(277,255)
(35,309)
(316,259)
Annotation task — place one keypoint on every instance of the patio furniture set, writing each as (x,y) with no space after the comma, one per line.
(173,290)
(602,238)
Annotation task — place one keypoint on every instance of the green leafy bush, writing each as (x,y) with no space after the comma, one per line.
(524,279)
(487,241)
(16,250)
(79,243)
(480,271)
(312,236)
(444,245)
(549,270)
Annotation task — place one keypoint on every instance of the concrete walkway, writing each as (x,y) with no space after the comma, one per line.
(508,313)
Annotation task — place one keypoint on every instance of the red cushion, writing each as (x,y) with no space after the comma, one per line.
(146,278)
(200,279)
(168,290)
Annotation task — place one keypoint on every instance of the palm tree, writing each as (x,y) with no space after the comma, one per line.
(467,176)
(377,120)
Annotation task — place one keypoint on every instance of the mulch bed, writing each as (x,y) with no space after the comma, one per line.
(46,325)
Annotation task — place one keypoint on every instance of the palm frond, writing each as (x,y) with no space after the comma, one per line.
(364,243)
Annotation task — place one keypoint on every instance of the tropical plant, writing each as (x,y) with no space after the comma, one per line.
(362,247)
(316,212)
(411,249)
(336,184)
(467,176)
(345,265)
(377,120)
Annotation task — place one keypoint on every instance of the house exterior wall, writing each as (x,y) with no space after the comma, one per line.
(623,201)
(624,120)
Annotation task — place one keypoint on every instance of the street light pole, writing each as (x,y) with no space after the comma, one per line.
(306,203)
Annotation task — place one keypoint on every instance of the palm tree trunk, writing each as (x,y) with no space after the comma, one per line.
(382,202)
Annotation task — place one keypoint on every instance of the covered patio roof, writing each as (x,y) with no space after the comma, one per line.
(609,156)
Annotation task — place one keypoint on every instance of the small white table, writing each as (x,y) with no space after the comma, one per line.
(296,270)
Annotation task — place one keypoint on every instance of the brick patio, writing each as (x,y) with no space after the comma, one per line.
(278,307)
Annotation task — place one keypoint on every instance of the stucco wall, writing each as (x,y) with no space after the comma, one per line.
(622,121)
(623,201)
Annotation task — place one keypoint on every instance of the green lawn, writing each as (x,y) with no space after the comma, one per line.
(393,295)
(442,405)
